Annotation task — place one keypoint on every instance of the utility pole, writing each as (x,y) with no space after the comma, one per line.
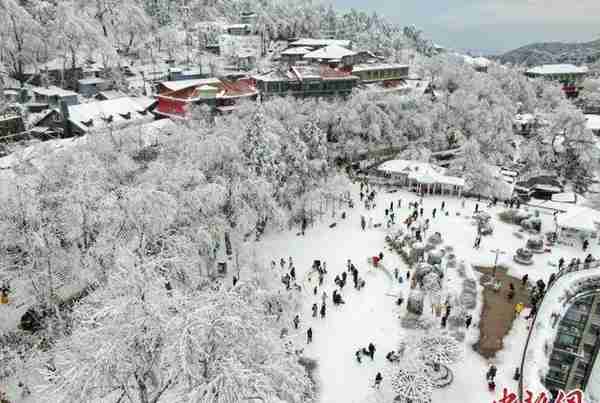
(498,252)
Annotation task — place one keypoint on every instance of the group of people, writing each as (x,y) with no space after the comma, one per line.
(367,195)
(288,277)
(574,264)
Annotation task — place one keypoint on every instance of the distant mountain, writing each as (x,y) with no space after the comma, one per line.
(552,53)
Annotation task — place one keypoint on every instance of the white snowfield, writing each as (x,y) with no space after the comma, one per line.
(370,315)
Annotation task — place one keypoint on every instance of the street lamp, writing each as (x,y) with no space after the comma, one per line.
(498,252)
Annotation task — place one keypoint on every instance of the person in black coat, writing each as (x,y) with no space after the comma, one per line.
(378,379)
(371,349)
(309,335)
(468,321)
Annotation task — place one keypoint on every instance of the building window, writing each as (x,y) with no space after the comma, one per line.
(568,340)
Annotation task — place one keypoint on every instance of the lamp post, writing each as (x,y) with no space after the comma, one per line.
(498,252)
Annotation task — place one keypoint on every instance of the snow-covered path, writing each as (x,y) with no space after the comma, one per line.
(369,315)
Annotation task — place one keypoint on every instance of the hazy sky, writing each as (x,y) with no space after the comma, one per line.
(491,24)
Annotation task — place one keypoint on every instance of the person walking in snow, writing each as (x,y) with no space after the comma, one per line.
(586,243)
(324,297)
(468,321)
(282,263)
(518,309)
(293,273)
(296,321)
(524,280)
(371,350)
(421,211)
(476,207)
(323,311)
(433,212)
(491,373)
(309,335)
(399,203)
(315,310)
(363,223)
(443,205)
(561,263)
(378,379)
(396,273)
(358,355)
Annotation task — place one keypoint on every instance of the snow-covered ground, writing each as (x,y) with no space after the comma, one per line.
(370,315)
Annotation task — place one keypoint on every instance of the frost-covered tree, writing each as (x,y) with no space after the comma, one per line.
(260,146)
(138,341)
(19,38)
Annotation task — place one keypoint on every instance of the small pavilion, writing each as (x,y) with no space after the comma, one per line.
(423,177)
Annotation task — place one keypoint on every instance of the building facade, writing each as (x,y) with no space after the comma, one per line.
(369,73)
(307,81)
(570,76)
(576,346)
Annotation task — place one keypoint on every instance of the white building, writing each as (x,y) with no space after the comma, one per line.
(423,177)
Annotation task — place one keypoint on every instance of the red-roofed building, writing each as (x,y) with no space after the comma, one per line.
(221,95)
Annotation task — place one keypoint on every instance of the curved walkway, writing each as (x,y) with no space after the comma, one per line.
(542,333)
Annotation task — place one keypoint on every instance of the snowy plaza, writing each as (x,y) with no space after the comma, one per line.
(372,315)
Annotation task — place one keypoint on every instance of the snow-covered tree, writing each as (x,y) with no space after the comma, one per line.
(19,38)
(136,340)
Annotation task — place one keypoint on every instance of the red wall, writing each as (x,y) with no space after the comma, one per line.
(172,107)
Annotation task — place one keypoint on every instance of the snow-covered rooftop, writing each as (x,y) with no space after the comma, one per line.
(378,66)
(550,69)
(477,61)
(592,122)
(110,113)
(421,171)
(181,84)
(300,50)
(579,218)
(112,94)
(310,42)
(91,80)
(52,91)
(330,52)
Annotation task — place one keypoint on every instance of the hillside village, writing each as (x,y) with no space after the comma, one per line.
(184,185)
